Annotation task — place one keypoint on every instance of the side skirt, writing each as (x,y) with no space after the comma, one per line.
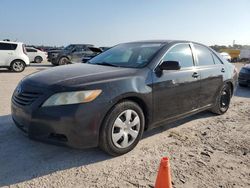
(178,117)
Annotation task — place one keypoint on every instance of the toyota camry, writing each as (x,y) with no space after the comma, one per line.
(112,99)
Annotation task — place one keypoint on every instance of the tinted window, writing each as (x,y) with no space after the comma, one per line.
(216,60)
(7,46)
(30,50)
(181,53)
(204,55)
(95,49)
(79,49)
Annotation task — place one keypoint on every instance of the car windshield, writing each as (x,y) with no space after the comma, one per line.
(131,55)
(69,47)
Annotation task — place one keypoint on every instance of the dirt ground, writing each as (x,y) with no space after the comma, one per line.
(204,150)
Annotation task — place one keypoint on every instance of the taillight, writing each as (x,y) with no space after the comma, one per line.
(24,50)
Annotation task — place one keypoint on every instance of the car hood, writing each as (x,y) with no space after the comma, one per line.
(76,75)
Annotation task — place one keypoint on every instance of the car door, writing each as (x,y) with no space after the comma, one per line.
(78,54)
(175,92)
(6,53)
(211,71)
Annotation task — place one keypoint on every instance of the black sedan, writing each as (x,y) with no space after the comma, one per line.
(244,76)
(111,100)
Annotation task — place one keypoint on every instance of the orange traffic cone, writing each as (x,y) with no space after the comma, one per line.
(163,179)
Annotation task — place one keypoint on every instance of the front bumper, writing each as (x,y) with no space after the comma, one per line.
(76,125)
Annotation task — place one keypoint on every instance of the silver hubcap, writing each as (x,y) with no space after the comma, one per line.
(125,129)
(18,66)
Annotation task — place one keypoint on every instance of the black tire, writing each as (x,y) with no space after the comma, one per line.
(106,131)
(242,85)
(223,100)
(63,61)
(17,66)
(38,59)
(54,63)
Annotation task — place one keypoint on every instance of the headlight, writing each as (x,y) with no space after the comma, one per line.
(74,97)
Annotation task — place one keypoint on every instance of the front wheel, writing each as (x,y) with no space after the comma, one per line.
(17,66)
(122,128)
(63,61)
(223,100)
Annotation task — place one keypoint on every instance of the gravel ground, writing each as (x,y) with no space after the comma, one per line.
(204,150)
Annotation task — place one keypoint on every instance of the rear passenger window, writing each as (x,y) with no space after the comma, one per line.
(204,55)
(30,50)
(216,60)
(181,53)
(7,46)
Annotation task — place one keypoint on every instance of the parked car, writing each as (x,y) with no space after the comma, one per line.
(226,56)
(52,54)
(96,51)
(244,55)
(36,55)
(244,76)
(13,56)
(74,53)
(111,100)
(105,48)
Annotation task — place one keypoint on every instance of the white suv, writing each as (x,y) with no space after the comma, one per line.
(36,55)
(13,56)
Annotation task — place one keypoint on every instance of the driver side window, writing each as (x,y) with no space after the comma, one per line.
(181,53)
(78,49)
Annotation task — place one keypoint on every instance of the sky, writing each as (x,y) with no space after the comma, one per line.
(109,22)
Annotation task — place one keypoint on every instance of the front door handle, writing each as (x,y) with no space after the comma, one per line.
(195,75)
(222,70)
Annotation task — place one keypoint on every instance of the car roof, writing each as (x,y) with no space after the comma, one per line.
(165,42)
(2,41)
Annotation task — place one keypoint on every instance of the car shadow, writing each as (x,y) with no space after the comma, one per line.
(41,65)
(23,159)
(242,92)
(3,70)
(38,67)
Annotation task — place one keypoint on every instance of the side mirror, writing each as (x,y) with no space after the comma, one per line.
(170,65)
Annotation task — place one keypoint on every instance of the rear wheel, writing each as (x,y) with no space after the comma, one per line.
(223,100)
(17,66)
(38,59)
(122,128)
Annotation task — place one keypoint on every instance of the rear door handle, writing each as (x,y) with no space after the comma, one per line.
(195,75)
(222,70)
